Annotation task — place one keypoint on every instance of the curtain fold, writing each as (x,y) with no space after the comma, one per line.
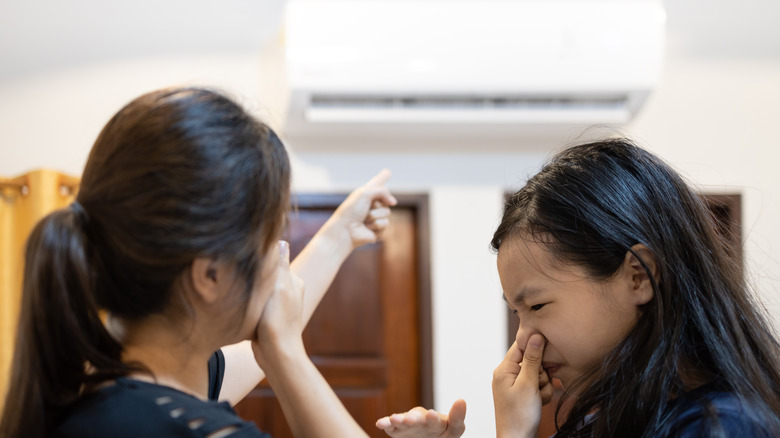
(24,200)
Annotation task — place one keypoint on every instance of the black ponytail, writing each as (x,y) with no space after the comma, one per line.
(62,345)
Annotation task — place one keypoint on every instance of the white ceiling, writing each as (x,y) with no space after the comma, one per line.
(39,35)
(46,34)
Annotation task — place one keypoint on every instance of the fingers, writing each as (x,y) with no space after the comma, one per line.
(378,217)
(546,388)
(420,415)
(365,213)
(416,423)
(383,423)
(457,418)
(532,359)
(514,355)
(543,378)
(517,398)
(380,196)
(285,280)
(280,323)
(546,392)
(509,368)
(376,190)
(379,179)
(377,212)
(284,257)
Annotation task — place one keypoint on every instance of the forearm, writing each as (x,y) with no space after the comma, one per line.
(311,407)
(516,432)
(319,262)
(242,373)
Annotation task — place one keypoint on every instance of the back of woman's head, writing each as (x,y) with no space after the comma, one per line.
(175,175)
(590,205)
(179,174)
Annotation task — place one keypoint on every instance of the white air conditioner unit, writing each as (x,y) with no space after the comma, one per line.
(468,67)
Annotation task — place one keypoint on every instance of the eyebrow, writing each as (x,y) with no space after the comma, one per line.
(525,294)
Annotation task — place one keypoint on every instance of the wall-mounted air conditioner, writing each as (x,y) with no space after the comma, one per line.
(461,67)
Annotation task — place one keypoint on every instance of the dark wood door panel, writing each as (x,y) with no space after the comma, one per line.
(369,334)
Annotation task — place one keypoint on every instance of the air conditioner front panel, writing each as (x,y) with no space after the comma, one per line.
(474,50)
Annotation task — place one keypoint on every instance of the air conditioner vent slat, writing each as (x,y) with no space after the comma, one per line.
(466,102)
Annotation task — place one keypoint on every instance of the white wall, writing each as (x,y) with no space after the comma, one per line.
(716,121)
(714,117)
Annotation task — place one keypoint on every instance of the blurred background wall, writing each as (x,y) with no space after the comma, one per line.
(66,67)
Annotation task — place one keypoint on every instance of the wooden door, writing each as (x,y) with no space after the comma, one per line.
(370,336)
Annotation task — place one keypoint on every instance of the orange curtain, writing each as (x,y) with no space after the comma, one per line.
(24,200)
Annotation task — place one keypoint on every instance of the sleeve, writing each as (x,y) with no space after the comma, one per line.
(216,374)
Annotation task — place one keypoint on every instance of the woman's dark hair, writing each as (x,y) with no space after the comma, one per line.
(175,175)
(589,205)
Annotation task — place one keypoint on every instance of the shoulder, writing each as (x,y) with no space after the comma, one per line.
(709,412)
(132,409)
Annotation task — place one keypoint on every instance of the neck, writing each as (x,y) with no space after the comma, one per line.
(174,358)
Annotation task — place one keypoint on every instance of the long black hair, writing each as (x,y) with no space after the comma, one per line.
(590,204)
(175,175)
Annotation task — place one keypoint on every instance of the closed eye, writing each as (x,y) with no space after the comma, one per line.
(537,307)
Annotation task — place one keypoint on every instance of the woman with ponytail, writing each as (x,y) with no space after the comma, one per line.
(169,253)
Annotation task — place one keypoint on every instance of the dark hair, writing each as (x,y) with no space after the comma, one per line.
(589,205)
(175,175)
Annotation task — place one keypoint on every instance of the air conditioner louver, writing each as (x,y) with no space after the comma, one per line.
(466,109)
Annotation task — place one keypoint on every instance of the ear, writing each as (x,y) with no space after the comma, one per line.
(209,279)
(641,286)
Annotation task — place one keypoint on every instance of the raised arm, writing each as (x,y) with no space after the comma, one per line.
(359,220)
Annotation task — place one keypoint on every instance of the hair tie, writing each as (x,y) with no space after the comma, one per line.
(78,209)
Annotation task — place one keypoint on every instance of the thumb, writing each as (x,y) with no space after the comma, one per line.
(284,255)
(283,276)
(457,418)
(532,358)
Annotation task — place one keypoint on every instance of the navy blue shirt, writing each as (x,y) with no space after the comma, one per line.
(131,408)
(708,412)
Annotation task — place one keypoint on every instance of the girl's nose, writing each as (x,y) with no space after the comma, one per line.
(523,333)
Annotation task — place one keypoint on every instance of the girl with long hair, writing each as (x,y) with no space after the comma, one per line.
(626,294)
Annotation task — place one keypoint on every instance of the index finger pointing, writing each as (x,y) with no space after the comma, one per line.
(379,179)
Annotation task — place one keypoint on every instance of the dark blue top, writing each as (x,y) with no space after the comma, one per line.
(709,412)
(131,408)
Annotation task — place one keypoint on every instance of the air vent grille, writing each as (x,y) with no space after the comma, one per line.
(468,102)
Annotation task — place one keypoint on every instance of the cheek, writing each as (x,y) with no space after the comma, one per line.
(588,343)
